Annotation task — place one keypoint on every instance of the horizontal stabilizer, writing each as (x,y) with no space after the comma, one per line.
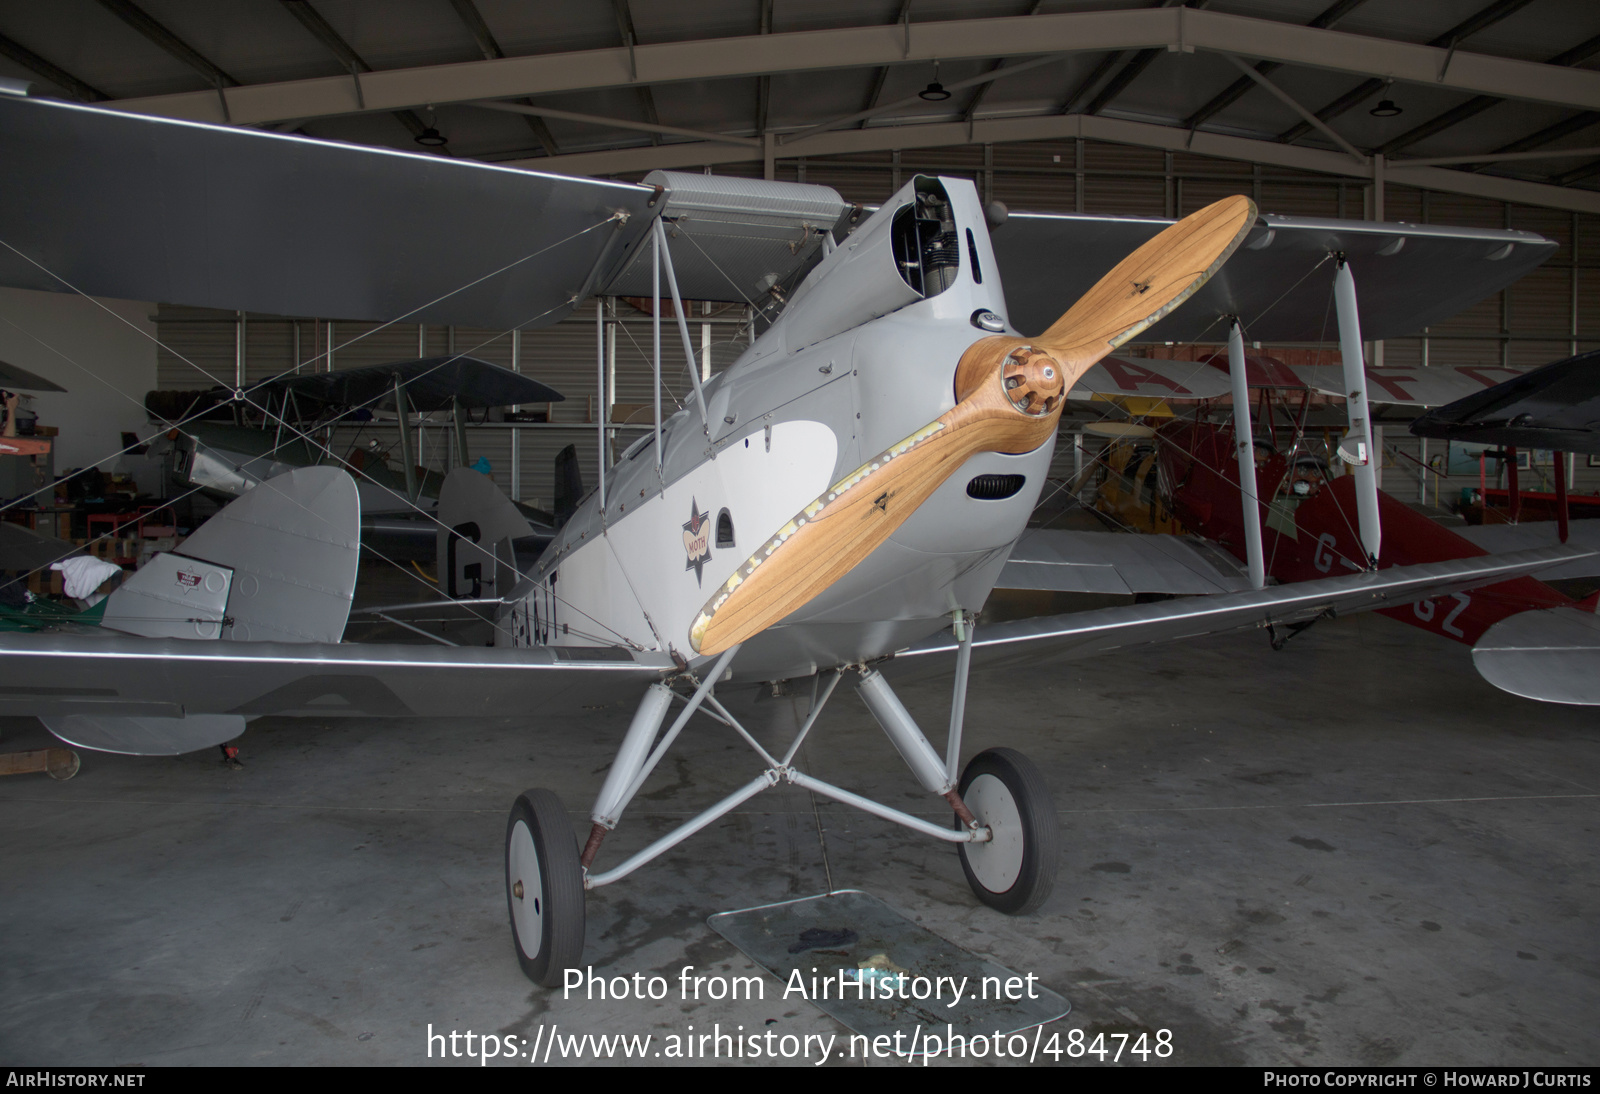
(1551,655)
(145,736)
(1085,634)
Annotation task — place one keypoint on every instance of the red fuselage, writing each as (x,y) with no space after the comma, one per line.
(1314,535)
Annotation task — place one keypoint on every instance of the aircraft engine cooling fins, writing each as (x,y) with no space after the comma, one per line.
(1009,393)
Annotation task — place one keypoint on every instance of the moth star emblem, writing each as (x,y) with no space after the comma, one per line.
(696,540)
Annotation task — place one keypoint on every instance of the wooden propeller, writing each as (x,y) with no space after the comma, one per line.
(1009,393)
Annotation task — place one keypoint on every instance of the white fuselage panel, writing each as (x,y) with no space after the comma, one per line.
(648,577)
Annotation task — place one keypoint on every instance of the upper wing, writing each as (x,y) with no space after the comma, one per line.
(1557,406)
(146,208)
(1432,386)
(1151,379)
(432,383)
(368,233)
(1084,634)
(1407,275)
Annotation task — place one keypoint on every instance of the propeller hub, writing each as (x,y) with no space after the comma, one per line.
(1033,381)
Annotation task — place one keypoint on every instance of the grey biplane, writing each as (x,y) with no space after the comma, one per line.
(226,459)
(846,492)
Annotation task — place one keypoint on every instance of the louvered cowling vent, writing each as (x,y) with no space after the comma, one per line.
(995,487)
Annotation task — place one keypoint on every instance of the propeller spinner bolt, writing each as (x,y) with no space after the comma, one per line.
(1032,381)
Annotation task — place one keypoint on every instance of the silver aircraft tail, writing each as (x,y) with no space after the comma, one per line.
(277,565)
(479,530)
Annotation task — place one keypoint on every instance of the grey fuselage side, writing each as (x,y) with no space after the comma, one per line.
(870,385)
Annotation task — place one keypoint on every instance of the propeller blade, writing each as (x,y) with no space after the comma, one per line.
(1009,394)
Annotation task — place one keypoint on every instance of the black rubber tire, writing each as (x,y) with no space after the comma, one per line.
(559,911)
(1025,887)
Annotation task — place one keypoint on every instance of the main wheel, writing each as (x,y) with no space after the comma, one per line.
(1015,871)
(544,888)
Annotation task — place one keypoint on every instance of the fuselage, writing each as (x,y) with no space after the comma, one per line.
(1309,530)
(864,355)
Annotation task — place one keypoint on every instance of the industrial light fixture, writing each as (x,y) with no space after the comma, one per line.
(934,92)
(1386,108)
(431,137)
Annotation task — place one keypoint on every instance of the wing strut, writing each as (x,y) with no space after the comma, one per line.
(1356,448)
(1245,451)
(683,326)
(402,408)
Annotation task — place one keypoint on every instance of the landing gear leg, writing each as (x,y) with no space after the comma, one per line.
(544,888)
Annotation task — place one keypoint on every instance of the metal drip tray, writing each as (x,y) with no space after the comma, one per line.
(877,972)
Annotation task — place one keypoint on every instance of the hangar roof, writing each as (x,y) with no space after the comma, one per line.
(624,87)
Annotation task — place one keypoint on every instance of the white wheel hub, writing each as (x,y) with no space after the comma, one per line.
(527,910)
(998,863)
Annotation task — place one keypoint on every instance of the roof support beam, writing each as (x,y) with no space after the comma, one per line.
(912,100)
(630,41)
(1074,100)
(1293,104)
(324,33)
(31,61)
(764,83)
(1097,128)
(1448,41)
(1176,29)
(490,48)
(1496,157)
(136,18)
(1235,91)
(616,123)
(1135,66)
(1479,103)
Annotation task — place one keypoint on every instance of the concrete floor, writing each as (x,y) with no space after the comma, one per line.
(1350,852)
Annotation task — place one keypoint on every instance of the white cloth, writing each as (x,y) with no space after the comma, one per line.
(82,575)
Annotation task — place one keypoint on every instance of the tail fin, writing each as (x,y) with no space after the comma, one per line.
(477,545)
(569,484)
(277,565)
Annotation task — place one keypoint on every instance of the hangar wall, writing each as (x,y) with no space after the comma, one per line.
(105,357)
(1552,313)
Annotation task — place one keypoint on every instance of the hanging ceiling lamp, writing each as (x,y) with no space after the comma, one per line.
(431,137)
(1386,107)
(934,92)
